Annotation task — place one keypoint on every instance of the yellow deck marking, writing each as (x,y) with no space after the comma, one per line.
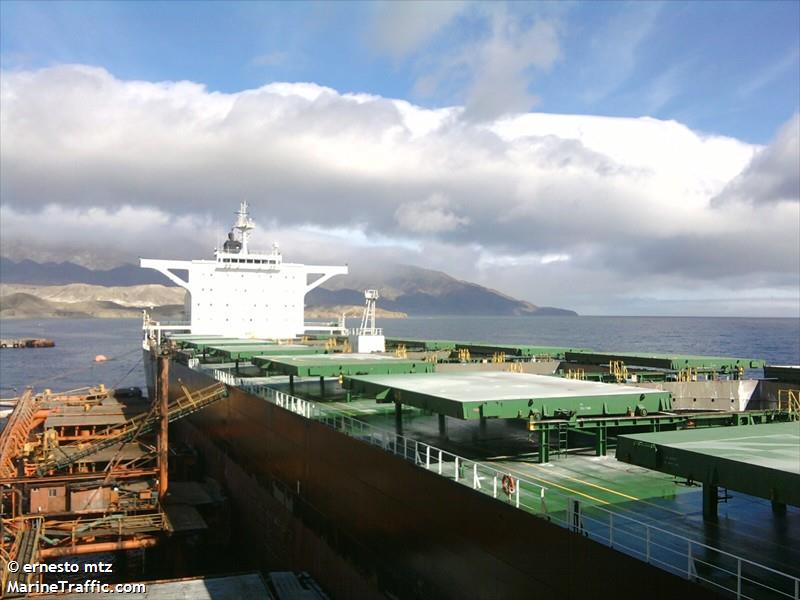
(547,481)
(648,503)
(599,487)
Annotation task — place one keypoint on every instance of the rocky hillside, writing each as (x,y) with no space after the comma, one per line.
(419,291)
(132,296)
(28,306)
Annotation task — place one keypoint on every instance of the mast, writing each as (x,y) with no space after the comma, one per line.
(244,224)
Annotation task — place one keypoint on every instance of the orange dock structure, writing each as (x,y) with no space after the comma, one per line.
(85,471)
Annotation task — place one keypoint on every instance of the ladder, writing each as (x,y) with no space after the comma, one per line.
(789,400)
(563,439)
(15,433)
(132,428)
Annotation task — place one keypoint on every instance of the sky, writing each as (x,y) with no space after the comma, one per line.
(609,157)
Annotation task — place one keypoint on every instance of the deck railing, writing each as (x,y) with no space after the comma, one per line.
(715,568)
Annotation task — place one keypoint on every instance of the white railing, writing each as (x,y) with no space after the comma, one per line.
(226,378)
(677,554)
(367,331)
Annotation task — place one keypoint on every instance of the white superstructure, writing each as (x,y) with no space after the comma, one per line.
(242,293)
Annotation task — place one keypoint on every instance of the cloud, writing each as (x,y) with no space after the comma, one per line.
(773,175)
(401,28)
(665,87)
(493,71)
(559,209)
(101,237)
(502,67)
(616,46)
(489,65)
(428,216)
(771,73)
(272,59)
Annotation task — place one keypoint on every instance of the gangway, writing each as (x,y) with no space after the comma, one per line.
(143,423)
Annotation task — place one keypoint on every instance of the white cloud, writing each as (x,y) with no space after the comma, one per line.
(433,215)
(616,46)
(501,67)
(665,87)
(102,237)
(401,28)
(774,173)
(494,71)
(127,168)
(770,73)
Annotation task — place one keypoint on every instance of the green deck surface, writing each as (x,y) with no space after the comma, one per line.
(761,460)
(674,362)
(427,345)
(509,395)
(207,342)
(248,351)
(332,365)
(523,350)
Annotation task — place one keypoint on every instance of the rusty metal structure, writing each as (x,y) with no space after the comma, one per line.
(86,471)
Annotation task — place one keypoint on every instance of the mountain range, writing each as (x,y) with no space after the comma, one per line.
(403,289)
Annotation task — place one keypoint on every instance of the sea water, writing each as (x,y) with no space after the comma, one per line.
(71,363)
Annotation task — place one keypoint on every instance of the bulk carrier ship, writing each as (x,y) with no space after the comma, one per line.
(408,468)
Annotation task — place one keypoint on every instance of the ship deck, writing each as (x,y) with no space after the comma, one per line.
(238,351)
(334,365)
(671,362)
(760,460)
(507,395)
(747,525)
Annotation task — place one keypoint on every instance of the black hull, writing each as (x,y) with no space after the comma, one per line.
(366,524)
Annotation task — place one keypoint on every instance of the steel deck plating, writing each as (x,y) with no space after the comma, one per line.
(760,460)
(333,365)
(510,395)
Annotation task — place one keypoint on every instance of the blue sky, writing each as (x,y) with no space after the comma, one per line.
(721,67)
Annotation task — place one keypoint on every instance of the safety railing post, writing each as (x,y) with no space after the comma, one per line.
(516,489)
(738,578)
(440,462)
(494,487)
(455,471)
(611,529)
(427,457)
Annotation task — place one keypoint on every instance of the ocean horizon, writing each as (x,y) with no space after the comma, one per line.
(71,363)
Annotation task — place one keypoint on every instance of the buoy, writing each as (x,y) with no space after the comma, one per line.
(100,358)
